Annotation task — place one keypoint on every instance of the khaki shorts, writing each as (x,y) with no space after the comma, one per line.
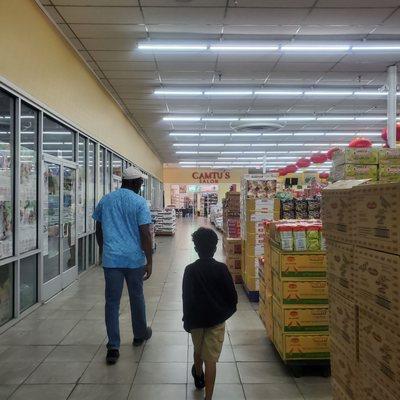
(208,342)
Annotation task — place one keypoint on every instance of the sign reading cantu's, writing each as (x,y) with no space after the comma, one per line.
(211,177)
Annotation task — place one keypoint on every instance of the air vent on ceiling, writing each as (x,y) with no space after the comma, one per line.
(258,126)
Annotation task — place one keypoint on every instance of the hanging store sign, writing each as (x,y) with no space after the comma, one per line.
(210,177)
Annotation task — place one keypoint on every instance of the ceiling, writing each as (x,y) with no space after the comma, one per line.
(107,32)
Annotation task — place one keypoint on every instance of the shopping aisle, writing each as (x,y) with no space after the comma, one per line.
(58,351)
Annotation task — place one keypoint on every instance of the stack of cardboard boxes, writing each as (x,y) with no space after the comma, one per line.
(257,207)
(232,241)
(366,163)
(294,306)
(361,224)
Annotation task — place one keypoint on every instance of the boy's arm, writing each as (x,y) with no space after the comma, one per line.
(229,287)
(185,296)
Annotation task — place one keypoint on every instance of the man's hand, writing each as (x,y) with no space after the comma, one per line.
(148,269)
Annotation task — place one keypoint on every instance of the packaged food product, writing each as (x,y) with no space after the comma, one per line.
(289,214)
(389,173)
(287,205)
(286,237)
(322,240)
(299,238)
(313,237)
(314,204)
(389,156)
(365,155)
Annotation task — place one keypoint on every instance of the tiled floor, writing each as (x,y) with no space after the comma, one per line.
(57,352)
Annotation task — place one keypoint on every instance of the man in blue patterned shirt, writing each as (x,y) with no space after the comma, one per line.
(123,234)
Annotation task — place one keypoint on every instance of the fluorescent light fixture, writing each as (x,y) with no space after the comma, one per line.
(370,93)
(26,117)
(226,158)
(185,144)
(279,152)
(318,48)
(178,47)
(368,134)
(279,92)
(290,144)
(220,119)
(237,144)
(229,93)
(376,144)
(339,144)
(278,134)
(225,47)
(210,144)
(309,134)
(181,118)
(246,134)
(297,118)
(377,118)
(259,119)
(215,134)
(335,118)
(316,144)
(186,162)
(254,152)
(57,132)
(178,92)
(188,166)
(328,93)
(264,144)
(297,152)
(375,47)
(231,152)
(340,134)
(186,152)
(208,152)
(248,158)
(183,134)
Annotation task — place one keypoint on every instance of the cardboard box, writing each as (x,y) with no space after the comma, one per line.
(376,216)
(389,156)
(234,264)
(354,171)
(233,247)
(377,283)
(261,310)
(262,290)
(343,317)
(252,283)
(293,346)
(344,370)
(380,351)
(292,264)
(359,156)
(251,266)
(310,291)
(389,173)
(269,322)
(338,393)
(260,205)
(254,239)
(369,389)
(254,227)
(301,318)
(340,266)
(337,212)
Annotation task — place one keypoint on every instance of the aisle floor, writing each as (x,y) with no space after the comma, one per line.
(57,352)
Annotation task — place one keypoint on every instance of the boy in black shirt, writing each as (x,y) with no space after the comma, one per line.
(209,299)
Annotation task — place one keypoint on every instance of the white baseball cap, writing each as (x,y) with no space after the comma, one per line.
(132,173)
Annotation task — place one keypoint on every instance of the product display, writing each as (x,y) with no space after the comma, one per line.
(363,256)
(165,222)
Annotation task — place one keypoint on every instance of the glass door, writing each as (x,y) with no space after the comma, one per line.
(59,230)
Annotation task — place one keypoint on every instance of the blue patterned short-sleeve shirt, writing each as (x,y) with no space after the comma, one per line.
(121,213)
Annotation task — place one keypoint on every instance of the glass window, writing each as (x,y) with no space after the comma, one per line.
(101,173)
(117,172)
(69,219)
(82,254)
(6,175)
(92,249)
(28,282)
(91,184)
(108,173)
(28,179)
(6,293)
(58,140)
(81,201)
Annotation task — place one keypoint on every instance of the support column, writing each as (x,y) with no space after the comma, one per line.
(392,105)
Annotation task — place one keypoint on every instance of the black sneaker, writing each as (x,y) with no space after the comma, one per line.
(198,380)
(112,356)
(139,342)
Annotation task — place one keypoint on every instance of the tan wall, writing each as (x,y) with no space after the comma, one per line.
(36,58)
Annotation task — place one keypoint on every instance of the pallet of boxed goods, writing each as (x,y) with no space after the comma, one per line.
(165,222)
(257,206)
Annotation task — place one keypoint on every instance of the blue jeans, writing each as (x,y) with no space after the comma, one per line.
(114,278)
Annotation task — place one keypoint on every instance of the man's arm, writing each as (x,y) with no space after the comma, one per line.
(99,236)
(147,247)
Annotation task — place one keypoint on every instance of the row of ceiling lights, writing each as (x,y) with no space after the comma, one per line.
(283,119)
(366,46)
(262,144)
(276,135)
(292,92)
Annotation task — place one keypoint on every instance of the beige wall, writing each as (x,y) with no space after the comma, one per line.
(36,58)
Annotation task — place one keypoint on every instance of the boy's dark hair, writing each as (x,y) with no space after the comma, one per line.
(205,240)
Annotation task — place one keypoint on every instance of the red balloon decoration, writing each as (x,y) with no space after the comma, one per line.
(329,153)
(282,172)
(303,163)
(324,175)
(384,133)
(318,158)
(360,143)
(291,168)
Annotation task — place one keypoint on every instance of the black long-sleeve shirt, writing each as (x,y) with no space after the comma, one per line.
(209,294)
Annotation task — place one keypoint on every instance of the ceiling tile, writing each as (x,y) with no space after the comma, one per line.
(127,65)
(265,16)
(271,3)
(343,16)
(92,3)
(339,31)
(357,3)
(124,55)
(175,3)
(55,16)
(243,67)
(85,54)
(132,74)
(186,66)
(191,29)
(285,66)
(101,15)
(172,15)
(110,44)
(109,30)
(66,30)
